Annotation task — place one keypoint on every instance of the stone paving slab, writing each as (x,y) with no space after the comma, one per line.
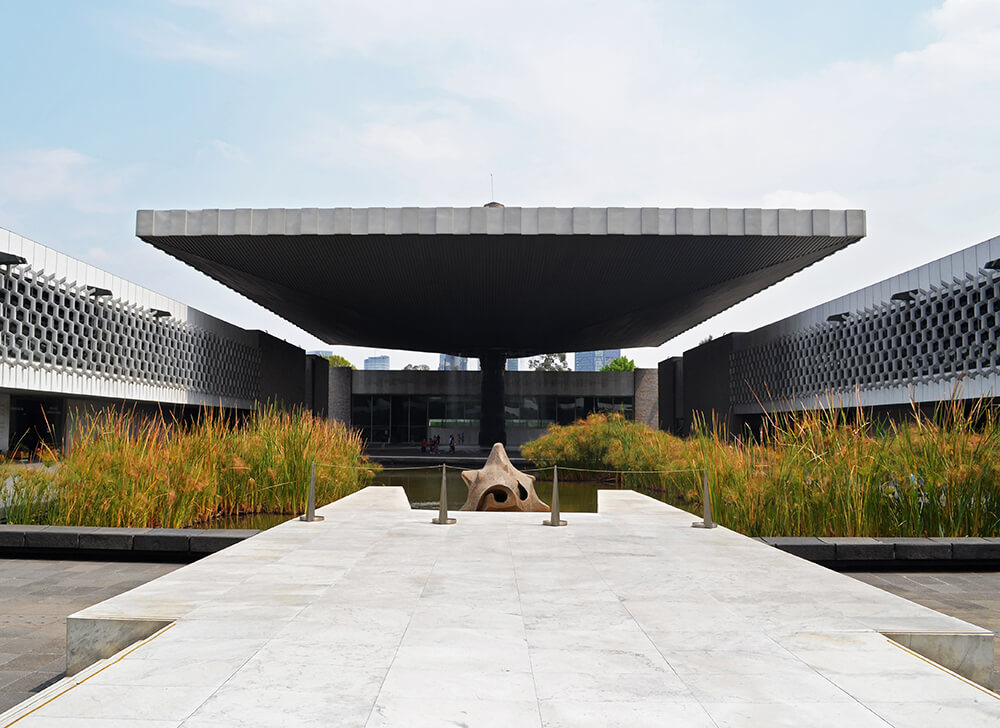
(625,617)
(35,597)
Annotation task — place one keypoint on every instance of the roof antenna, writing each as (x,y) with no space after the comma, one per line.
(492,202)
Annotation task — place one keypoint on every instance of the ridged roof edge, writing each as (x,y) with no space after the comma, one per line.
(502,221)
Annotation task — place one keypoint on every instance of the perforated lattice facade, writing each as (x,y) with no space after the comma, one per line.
(943,334)
(53,325)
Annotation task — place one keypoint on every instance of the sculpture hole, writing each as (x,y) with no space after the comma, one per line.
(522,492)
(500,496)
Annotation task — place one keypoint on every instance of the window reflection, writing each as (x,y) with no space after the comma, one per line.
(410,418)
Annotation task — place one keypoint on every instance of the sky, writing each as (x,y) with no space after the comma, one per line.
(891,106)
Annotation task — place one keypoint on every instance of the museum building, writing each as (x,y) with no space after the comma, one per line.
(493,283)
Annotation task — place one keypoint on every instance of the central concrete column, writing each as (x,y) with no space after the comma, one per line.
(491,421)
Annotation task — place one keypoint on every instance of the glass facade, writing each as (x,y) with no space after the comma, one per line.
(406,418)
(448,362)
(379,363)
(593,361)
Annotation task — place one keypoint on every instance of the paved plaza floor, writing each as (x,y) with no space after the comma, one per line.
(35,597)
(625,617)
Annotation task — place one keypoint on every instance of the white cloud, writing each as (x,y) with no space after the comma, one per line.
(593,103)
(163,39)
(61,175)
(227,151)
(822,200)
(970,36)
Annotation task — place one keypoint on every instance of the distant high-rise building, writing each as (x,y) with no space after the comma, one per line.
(324,353)
(377,362)
(447,362)
(512,365)
(593,361)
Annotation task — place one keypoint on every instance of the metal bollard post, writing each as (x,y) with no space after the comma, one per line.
(310,514)
(707,521)
(554,515)
(442,518)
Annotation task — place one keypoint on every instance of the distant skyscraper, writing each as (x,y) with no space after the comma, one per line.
(447,362)
(512,365)
(593,361)
(377,362)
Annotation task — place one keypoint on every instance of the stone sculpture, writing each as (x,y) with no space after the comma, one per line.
(499,486)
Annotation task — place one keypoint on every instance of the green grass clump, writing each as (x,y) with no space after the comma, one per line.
(820,473)
(123,470)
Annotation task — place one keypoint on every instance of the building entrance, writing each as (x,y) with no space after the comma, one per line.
(34,422)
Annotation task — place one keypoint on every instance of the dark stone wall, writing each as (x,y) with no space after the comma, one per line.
(647,395)
(670,381)
(282,372)
(339,400)
(614,384)
(706,389)
(318,385)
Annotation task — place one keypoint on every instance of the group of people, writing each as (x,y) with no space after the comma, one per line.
(435,444)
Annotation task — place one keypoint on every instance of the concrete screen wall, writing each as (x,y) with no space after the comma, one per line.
(923,336)
(72,333)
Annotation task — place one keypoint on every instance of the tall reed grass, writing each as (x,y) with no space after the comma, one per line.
(820,473)
(128,471)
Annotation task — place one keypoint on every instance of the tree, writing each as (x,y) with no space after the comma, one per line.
(416,368)
(549,363)
(621,364)
(705,340)
(336,360)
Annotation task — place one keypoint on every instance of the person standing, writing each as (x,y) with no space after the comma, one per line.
(451,443)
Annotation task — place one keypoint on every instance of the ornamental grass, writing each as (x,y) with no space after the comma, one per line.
(126,470)
(819,473)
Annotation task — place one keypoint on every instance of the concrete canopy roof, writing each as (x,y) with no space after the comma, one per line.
(516,280)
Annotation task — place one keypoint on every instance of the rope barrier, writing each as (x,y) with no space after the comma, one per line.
(438,466)
(621,472)
(375,466)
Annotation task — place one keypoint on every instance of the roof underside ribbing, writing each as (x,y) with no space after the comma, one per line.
(518,280)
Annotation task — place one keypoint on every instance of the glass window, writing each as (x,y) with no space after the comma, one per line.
(417,407)
(418,433)
(361,410)
(399,411)
(547,405)
(567,410)
(454,408)
(380,411)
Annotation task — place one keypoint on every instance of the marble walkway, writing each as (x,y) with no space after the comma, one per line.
(626,617)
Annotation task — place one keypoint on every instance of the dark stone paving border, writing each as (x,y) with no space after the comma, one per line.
(850,553)
(190,544)
(126,544)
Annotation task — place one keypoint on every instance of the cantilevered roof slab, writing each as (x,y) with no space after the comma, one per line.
(518,280)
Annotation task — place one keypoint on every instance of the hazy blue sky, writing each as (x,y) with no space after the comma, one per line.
(891,106)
